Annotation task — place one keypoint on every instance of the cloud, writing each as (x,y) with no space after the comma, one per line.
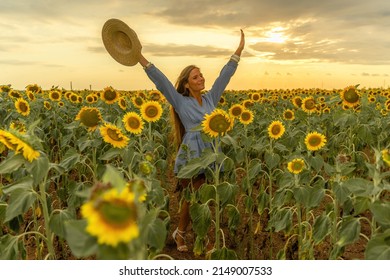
(327,31)
(186,50)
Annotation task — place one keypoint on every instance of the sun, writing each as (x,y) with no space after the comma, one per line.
(276,35)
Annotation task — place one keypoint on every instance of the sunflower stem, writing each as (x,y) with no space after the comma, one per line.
(217,204)
(46,216)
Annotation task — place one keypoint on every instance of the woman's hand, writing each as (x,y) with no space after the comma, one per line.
(241,45)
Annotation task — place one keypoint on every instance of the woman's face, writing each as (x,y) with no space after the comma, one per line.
(195,81)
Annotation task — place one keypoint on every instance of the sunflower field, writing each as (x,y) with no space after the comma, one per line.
(293,174)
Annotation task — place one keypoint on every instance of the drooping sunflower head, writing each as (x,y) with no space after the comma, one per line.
(113,135)
(309,104)
(89,117)
(5,88)
(55,95)
(236,110)
(133,123)
(246,117)
(22,107)
(315,141)
(30,95)
(112,217)
(34,88)
(288,115)
(276,130)
(19,145)
(151,111)
(350,96)
(109,95)
(14,94)
(296,165)
(122,103)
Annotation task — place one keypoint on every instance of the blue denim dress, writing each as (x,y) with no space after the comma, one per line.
(190,112)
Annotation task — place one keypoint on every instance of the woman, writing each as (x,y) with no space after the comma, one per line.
(190,107)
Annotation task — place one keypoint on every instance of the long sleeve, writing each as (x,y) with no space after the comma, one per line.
(222,81)
(164,85)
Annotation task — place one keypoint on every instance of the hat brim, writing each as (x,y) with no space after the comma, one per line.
(121,42)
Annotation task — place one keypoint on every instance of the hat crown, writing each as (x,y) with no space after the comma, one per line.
(121,42)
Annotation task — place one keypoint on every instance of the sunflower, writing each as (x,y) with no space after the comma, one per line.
(246,117)
(247,103)
(217,123)
(109,95)
(34,88)
(133,122)
(90,117)
(112,217)
(155,95)
(222,100)
(288,115)
(113,135)
(309,104)
(122,103)
(14,94)
(90,98)
(5,88)
(297,101)
(22,107)
(315,141)
(386,156)
(236,110)
(276,130)
(350,96)
(55,95)
(47,105)
(74,98)
(30,95)
(138,187)
(296,165)
(18,126)
(255,97)
(68,94)
(137,101)
(18,145)
(151,111)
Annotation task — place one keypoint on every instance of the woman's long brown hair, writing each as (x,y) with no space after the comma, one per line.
(180,87)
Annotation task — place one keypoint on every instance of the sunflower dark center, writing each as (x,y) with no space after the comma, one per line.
(275,130)
(351,96)
(133,122)
(219,124)
(23,107)
(314,141)
(114,135)
(109,95)
(151,111)
(90,118)
(117,213)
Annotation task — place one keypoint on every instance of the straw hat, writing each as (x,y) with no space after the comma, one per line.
(121,42)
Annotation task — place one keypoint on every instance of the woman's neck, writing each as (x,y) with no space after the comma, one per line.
(197,96)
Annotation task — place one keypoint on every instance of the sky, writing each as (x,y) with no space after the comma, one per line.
(289,44)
